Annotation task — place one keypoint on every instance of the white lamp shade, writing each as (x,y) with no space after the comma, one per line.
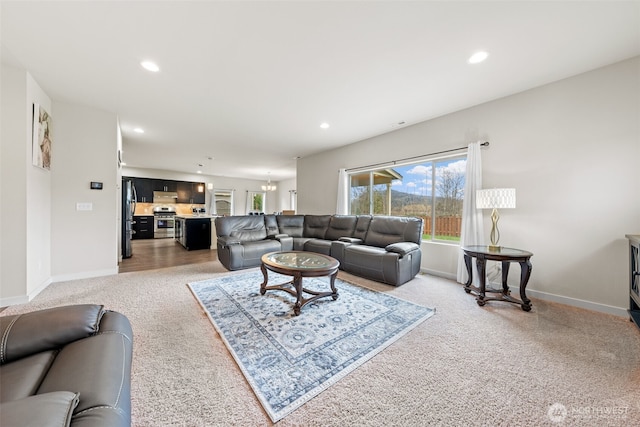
(494,198)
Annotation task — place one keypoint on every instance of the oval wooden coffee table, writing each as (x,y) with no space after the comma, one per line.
(299,264)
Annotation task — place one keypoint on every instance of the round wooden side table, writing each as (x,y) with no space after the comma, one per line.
(482,254)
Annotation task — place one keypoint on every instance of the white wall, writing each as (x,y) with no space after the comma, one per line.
(25,201)
(284,188)
(569,148)
(13,186)
(84,243)
(38,201)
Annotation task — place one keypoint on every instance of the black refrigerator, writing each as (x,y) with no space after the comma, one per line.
(128,209)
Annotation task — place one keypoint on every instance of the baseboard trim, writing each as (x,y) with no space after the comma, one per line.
(575,302)
(443,274)
(85,275)
(6,302)
(23,299)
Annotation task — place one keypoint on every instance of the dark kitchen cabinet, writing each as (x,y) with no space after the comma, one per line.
(142,227)
(191,192)
(188,192)
(198,192)
(165,185)
(184,192)
(144,189)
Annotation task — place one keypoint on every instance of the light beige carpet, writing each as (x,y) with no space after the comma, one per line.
(490,366)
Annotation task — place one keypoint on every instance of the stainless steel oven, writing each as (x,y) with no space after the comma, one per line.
(164,222)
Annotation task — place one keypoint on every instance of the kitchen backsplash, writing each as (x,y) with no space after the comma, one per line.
(181,208)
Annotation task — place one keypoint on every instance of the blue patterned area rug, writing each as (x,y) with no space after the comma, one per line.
(290,359)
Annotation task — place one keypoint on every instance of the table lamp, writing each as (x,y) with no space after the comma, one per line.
(494,198)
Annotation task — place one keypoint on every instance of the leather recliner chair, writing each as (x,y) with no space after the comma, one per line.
(64,366)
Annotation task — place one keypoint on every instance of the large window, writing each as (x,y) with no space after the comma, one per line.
(432,190)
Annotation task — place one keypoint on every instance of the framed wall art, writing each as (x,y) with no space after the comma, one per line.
(41,137)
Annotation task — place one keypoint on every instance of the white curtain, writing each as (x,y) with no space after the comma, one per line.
(472,219)
(342,205)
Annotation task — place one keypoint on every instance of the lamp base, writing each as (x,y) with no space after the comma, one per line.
(494,248)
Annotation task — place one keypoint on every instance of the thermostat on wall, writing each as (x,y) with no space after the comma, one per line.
(96,185)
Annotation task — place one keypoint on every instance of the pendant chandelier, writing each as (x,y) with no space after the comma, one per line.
(269,186)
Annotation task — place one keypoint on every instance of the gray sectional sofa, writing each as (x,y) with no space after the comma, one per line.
(382,248)
(64,366)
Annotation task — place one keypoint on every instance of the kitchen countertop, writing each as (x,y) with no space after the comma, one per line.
(196,216)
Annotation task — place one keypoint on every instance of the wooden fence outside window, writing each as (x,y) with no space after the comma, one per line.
(445,225)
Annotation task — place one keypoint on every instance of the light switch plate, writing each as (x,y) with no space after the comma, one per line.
(85,206)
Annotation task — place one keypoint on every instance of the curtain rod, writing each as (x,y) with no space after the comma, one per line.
(483,144)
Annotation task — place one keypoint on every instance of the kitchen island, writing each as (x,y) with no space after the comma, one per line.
(194,231)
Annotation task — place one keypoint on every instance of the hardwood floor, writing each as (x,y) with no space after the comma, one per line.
(149,254)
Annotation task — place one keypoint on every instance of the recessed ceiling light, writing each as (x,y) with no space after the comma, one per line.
(324,125)
(478,57)
(150,66)
(138,130)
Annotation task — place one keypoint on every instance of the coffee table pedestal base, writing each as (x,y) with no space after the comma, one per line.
(295,288)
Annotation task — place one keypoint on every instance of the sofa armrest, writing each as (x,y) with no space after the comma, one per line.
(53,328)
(352,240)
(228,241)
(402,248)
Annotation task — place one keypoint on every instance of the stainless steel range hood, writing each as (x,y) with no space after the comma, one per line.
(165,197)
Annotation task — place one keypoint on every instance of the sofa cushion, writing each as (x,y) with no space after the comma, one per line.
(362,225)
(271,224)
(384,231)
(50,329)
(292,225)
(225,226)
(98,368)
(341,226)
(315,226)
(319,246)
(42,410)
(248,254)
(22,377)
(364,260)
(249,235)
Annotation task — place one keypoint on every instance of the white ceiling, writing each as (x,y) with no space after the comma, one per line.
(249,83)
